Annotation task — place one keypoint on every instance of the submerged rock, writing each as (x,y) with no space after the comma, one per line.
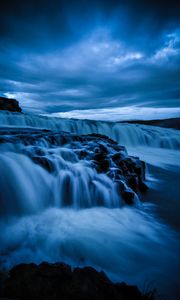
(9,104)
(59,281)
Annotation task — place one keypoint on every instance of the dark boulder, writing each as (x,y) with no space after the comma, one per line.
(102,163)
(9,104)
(142,186)
(132,181)
(128,197)
(59,281)
(101,159)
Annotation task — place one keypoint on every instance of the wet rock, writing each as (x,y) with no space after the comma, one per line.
(9,104)
(43,162)
(59,281)
(116,157)
(81,153)
(142,186)
(125,192)
(115,174)
(132,181)
(128,197)
(140,168)
(101,137)
(102,162)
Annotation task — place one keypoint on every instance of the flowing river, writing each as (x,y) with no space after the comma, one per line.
(74,214)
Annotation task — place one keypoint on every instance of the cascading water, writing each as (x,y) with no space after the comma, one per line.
(46,166)
(56,206)
(131,135)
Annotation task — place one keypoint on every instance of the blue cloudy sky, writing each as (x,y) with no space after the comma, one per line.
(59,56)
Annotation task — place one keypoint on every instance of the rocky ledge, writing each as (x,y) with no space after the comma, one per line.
(104,155)
(9,104)
(59,281)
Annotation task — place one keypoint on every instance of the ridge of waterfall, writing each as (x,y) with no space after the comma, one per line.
(132,135)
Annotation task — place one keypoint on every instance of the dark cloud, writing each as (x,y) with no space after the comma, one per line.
(45,22)
(63,55)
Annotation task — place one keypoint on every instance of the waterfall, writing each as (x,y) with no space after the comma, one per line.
(56,206)
(132,135)
(37,171)
(65,180)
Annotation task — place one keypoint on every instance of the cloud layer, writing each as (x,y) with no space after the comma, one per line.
(64,55)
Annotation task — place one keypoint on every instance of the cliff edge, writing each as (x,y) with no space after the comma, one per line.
(9,104)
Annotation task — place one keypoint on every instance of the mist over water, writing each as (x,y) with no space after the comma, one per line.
(86,225)
(130,245)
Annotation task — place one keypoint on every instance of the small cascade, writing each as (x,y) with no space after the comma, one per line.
(41,169)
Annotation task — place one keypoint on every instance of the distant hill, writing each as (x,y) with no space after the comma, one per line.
(166,123)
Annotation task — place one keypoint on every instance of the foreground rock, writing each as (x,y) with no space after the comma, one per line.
(9,104)
(59,281)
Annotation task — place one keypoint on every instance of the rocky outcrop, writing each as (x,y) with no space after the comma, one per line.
(105,155)
(9,104)
(60,281)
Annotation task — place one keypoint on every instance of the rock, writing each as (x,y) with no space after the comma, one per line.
(58,281)
(117,157)
(101,137)
(132,181)
(142,186)
(43,162)
(103,154)
(102,162)
(115,174)
(9,104)
(128,197)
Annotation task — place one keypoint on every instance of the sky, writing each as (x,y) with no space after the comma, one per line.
(64,56)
